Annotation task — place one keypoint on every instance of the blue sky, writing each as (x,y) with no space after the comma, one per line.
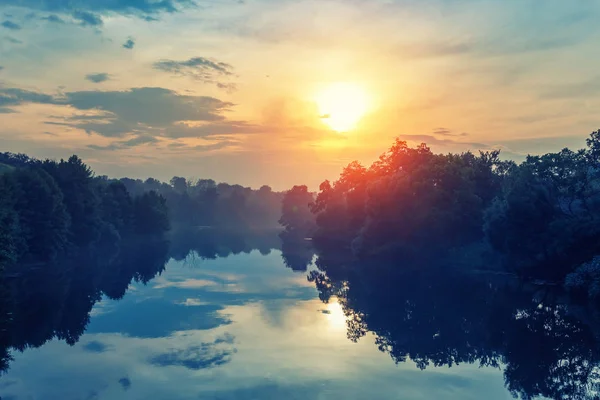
(230,89)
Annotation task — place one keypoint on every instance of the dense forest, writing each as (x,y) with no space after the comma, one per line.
(539,220)
(48,208)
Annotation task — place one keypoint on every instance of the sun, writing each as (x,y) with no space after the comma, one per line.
(342,105)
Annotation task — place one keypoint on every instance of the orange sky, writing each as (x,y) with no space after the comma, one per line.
(236,91)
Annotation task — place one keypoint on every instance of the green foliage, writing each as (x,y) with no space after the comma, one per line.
(47,208)
(296,216)
(150,214)
(204,203)
(75,179)
(541,218)
(117,206)
(585,280)
(546,219)
(409,201)
(43,219)
(9,223)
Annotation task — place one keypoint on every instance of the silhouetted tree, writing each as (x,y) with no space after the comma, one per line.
(296,216)
(43,219)
(150,213)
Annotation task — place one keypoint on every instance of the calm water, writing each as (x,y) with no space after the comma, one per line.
(242,326)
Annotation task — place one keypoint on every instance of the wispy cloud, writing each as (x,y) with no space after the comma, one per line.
(139,8)
(11,25)
(129,44)
(98,78)
(200,68)
(124,144)
(95,347)
(86,18)
(202,356)
(448,132)
(12,40)
(53,18)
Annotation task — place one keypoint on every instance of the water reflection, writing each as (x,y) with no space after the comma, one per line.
(220,321)
(440,316)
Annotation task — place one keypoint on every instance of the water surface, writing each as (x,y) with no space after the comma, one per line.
(240,326)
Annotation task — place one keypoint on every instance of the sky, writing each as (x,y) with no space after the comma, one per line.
(288,92)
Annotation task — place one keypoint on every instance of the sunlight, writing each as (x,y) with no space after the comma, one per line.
(342,105)
(335,316)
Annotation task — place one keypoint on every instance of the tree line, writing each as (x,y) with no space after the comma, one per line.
(539,219)
(50,208)
(205,203)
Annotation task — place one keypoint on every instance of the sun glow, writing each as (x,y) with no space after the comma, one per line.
(342,105)
(335,316)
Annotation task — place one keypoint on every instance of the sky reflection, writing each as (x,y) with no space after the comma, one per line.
(270,338)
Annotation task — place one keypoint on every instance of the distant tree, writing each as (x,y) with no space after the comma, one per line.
(179,184)
(296,216)
(150,213)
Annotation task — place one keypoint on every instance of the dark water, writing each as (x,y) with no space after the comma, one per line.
(246,326)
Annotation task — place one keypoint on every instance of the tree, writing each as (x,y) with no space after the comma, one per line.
(9,223)
(43,219)
(179,184)
(75,179)
(117,206)
(296,216)
(150,214)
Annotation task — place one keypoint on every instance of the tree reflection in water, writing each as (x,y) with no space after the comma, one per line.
(435,316)
(440,316)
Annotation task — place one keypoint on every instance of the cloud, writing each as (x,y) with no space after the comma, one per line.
(146,113)
(10,97)
(227,127)
(125,383)
(98,78)
(53,18)
(203,356)
(124,144)
(95,347)
(142,108)
(10,25)
(139,8)
(129,44)
(200,68)
(448,132)
(86,18)
(432,140)
(12,40)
